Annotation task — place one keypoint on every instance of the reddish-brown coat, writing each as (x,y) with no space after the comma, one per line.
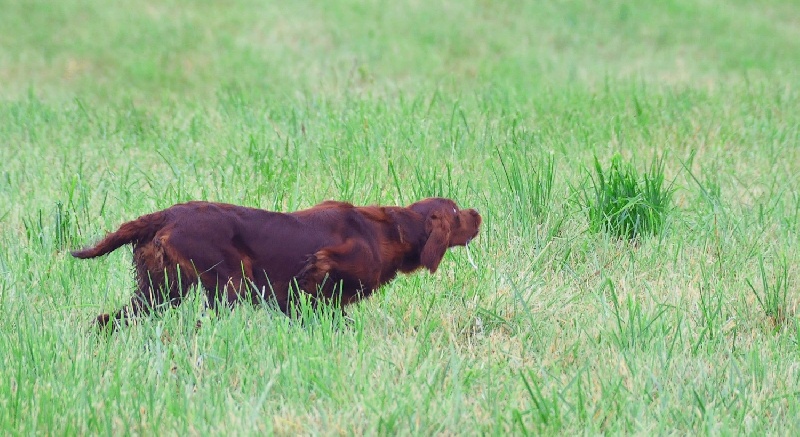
(333,251)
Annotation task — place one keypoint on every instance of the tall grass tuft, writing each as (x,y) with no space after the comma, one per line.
(530,184)
(626,205)
(772,298)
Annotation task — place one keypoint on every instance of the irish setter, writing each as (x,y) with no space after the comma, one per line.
(333,251)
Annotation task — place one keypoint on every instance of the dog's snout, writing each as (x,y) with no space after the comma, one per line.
(475,216)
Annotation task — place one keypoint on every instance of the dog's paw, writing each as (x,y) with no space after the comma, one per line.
(102,321)
(104,324)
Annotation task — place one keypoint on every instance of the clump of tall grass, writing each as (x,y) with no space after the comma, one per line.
(625,204)
(530,184)
(772,298)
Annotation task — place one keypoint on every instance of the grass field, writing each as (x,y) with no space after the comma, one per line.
(109,110)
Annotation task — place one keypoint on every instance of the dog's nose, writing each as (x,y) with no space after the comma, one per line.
(476,217)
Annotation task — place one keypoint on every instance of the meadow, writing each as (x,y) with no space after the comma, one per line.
(110,110)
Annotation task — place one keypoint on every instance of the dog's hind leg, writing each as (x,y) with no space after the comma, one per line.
(161,280)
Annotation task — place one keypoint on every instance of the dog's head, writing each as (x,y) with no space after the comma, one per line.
(446,226)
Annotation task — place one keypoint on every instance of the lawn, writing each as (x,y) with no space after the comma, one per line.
(110,110)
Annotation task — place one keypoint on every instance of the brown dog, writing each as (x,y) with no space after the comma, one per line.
(333,251)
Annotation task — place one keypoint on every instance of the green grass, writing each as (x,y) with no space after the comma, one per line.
(773,296)
(112,110)
(625,204)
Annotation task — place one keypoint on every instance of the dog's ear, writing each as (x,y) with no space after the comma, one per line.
(438,231)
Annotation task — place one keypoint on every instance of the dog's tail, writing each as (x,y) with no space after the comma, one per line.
(143,228)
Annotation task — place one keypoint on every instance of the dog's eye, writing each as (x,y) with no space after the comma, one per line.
(455,211)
